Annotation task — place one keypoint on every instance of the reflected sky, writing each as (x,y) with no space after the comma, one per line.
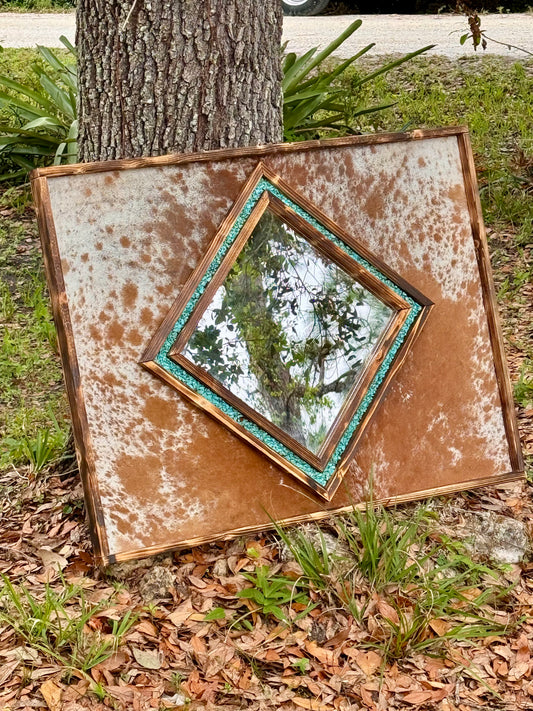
(289,332)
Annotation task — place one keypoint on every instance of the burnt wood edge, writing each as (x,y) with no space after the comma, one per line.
(344,236)
(316,516)
(324,245)
(220,389)
(240,430)
(360,387)
(333,252)
(260,150)
(397,363)
(71,374)
(219,277)
(490,302)
(325,492)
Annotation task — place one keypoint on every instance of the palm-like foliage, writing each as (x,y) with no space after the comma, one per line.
(41,127)
(311,99)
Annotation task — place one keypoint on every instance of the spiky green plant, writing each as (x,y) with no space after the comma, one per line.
(54,624)
(312,100)
(41,127)
(270,592)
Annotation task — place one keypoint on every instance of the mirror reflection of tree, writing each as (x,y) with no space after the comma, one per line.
(288,332)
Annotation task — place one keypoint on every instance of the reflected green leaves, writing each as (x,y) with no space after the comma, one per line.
(289,332)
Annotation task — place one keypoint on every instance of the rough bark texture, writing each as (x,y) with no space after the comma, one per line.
(162,76)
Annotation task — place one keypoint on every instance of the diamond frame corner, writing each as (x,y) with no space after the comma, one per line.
(265,189)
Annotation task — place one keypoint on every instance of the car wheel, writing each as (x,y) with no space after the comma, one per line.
(304,7)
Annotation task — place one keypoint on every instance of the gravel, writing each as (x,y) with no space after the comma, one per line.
(392,33)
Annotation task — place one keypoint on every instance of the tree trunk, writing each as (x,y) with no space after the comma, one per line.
(163,76)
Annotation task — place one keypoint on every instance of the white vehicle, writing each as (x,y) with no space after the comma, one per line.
(304,7)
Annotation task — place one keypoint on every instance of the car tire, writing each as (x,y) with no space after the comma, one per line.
(304,7)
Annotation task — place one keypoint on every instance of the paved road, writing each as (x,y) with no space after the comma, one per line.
(392,33)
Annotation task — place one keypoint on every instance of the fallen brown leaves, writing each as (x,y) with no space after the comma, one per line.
(171,653)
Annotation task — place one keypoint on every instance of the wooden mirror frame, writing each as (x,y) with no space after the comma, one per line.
(411,309)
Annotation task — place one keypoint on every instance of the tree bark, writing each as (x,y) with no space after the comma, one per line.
(163,76)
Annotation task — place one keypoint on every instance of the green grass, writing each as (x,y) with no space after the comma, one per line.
(57,624)
(416,576)
(38,6)
(523,389)
(33,422)
(390,567)
(269,593)
(492,96)
(17,65)
(382,544)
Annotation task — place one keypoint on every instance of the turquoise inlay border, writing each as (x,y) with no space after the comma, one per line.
(162,359)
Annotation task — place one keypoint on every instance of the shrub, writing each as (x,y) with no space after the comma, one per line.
(43,127)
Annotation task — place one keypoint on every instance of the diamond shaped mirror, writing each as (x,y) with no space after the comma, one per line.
(288,332)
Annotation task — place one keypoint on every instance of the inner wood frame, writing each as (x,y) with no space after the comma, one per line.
(335,254)
(331,251)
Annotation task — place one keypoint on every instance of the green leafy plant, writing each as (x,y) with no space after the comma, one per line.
(313,101)
(523,389)
(41,449)
(269,592)
(478,36)
(302,665)
(443,595)
(420,577)
(398,570)
(42,125)
(409,630)
(386,547)
(56,625)
(311,554)
(217,613)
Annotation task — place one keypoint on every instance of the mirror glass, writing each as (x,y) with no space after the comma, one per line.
(288,332)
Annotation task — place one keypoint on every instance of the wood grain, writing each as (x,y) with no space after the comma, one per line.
(319,516)
(331,252)
(259,151)
(319,498)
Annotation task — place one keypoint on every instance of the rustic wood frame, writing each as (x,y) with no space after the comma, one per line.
(67,347)
(331,251)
